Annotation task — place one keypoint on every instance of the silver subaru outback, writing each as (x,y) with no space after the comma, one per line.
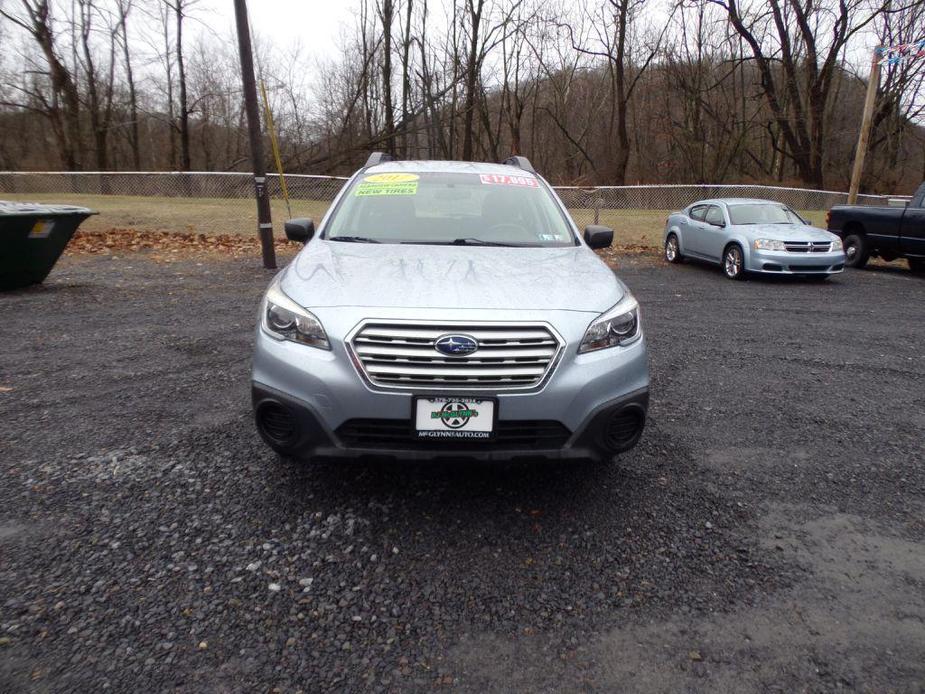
(449,309)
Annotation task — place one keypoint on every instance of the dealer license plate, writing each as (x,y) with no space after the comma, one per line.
(454,418)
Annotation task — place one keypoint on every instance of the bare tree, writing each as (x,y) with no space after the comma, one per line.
(606,33)
(63,108)
(123,8)
(99,80)
(486,28)
(797,47)
(180,9)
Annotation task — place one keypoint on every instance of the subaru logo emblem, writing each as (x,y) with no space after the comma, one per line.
(456,345)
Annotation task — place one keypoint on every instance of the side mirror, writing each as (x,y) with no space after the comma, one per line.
(300,230)
(597,236)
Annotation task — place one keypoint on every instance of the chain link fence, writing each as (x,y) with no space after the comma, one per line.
(166,184)
(195,202)
(209,202)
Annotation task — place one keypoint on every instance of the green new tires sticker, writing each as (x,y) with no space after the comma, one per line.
(387,184)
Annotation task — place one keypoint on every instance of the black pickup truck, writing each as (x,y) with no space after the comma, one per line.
(884,232)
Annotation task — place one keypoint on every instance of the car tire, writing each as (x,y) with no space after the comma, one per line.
(734,262)
(857,252)
(673,249)
(917,265)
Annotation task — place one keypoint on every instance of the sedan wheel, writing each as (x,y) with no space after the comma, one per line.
(733,263)
(672,251)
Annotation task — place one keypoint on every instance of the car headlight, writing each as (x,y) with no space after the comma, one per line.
(284,319)
(618,326)
(769,245)
(837,244)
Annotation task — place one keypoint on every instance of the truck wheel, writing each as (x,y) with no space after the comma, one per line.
(673,249)
(856,251)
(733,262)
(917,265)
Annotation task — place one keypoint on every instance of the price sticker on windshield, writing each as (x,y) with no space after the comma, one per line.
(505,180)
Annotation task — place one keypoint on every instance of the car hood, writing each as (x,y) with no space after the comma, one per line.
(786,232)
(327,274)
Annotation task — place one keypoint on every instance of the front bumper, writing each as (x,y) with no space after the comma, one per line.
(787,263)
(335,409)
(612,428)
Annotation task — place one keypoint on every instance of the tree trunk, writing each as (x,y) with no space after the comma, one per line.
(473,64)
(168,69)
(134,138)
(406,73)
(621,160)
(98,121)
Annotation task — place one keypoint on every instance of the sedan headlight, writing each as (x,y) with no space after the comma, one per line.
(769,245)
(837,245)
(618,326)
(284,319)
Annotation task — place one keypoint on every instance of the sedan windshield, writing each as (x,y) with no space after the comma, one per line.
(463,209)
(763,213)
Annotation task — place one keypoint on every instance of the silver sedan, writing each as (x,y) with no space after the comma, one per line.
(744,235)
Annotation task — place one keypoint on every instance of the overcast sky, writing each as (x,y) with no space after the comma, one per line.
(316,23)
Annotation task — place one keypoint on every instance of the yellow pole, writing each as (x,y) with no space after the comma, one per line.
(864,136)
(275,144)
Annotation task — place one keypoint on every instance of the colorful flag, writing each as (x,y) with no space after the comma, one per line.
(893,55)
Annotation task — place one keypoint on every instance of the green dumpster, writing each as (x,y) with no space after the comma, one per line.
(32,238)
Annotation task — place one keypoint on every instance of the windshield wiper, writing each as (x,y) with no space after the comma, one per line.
(471,241)
(353,239)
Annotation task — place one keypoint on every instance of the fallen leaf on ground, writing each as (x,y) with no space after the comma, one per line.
(167,245)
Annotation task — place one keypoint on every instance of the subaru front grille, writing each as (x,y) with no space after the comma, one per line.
(446,356)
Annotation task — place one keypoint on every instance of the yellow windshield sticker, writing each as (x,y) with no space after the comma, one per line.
(391,178)
(365,189)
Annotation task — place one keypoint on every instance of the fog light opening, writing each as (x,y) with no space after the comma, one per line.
(623,429)
(277,424)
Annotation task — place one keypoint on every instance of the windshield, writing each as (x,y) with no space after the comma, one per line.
(763,213)
(450,208)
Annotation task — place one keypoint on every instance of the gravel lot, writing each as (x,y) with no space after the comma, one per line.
(767,534)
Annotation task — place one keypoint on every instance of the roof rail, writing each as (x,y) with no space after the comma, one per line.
(520,162)
(378,158)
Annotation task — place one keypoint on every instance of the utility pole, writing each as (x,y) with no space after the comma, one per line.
(864,136)
(251,107)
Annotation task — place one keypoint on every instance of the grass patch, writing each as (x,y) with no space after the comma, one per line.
(191,215)
(237,216)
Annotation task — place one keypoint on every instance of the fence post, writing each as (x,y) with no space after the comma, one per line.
(597,205)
